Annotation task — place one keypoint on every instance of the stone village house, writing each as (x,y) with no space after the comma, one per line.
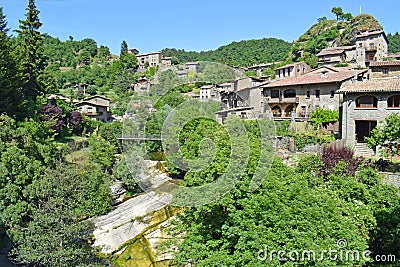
(297,97)
(365,105)
(96,108)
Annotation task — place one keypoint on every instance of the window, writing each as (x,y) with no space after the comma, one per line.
(289,93)
(385,71)
(394,101)
(366,101)
(332,93)
(275,94)
(308,94)
(276,111)
(317,93)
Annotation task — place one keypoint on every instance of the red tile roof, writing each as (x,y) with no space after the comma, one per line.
(376,85)
(366,34)
(384,63)
(315,79)
(330,51)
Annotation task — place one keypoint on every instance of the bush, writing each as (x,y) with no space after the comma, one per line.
(313,138)
(331,155)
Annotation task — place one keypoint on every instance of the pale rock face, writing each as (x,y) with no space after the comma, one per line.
(127,220)
(139,223)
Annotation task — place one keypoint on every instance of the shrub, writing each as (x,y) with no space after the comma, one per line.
(331,155)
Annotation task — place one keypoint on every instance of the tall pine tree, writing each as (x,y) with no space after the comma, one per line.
(124,49)
(10,93)
(32,56)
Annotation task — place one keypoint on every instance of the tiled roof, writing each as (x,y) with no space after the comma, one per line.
(90,103)
(384,63)
(330,51)
(393,55)
(314,79)
(366,34)
(377,85)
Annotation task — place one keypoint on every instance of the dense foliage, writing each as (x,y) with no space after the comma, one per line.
(394,42)
(295,210)
(386,136)
(243,53)
(323,116)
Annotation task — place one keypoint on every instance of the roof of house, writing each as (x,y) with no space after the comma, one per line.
(225,84)
(384,63)
(376,85)
(369,33)
(147,54)
(207,87)
(315,79)
(393,55)
(96,96)
(263,65)
(89,103)
(330,51)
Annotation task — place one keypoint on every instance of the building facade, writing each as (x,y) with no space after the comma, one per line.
(366,105)
(96,108)
(297,97)
(292,70)
(384,69)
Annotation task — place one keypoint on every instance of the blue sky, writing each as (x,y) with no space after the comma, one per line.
(186,24)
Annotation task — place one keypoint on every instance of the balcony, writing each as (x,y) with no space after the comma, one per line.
(294,100)
(371,48)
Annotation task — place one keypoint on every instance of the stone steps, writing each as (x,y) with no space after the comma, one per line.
(362,150)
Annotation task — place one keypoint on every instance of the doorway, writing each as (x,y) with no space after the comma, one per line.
(363,129)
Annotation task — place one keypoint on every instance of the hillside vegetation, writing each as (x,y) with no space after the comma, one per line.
(328,33)
(243,53)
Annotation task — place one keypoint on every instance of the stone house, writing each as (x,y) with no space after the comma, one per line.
(260,67)
(292,70)
(365,105)
(209,92)
(384,69)
(297,97)
(243,92)
(96,108)
(337,55)
(192,66)
(371,46)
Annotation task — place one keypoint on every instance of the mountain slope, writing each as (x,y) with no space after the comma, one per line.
(243,53)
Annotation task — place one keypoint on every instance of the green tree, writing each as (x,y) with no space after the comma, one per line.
(386,136)
(57,233)
(124,49)
(32,57)
(338,11)
(323,116)
(11,96)
(394,42)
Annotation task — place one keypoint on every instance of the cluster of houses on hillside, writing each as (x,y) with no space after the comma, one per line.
(358,80)
(365,91)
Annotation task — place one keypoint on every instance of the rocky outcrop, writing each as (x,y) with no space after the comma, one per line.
(132,233)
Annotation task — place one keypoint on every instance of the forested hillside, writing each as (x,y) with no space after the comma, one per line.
(394,42)
(239,54)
